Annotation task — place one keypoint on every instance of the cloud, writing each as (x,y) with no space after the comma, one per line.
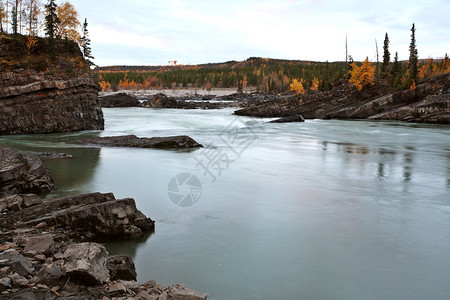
(204,31)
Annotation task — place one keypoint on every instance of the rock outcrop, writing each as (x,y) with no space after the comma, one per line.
(91,217)
(171,142)
(118,100)
(46,106)
(428,103)
(22,173)
(41,93)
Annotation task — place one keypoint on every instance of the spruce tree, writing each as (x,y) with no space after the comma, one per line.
(14,19)
(86,44)
(386,56)
(413,55)
(51,19)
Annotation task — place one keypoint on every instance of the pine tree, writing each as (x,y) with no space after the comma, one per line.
(14,19)
(413,55)
(51,19)
(86,44)
(2,11)
(386,56)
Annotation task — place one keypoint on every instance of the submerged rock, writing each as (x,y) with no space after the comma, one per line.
(171,142)
(22,173)
(291,119)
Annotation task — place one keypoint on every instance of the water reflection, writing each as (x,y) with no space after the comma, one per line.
(72,175)
(129,247)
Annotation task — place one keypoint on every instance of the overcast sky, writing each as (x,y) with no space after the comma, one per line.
(152,32)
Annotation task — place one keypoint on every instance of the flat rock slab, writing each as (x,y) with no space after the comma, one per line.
(171,142)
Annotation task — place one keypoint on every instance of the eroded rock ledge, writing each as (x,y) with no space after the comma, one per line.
(33,102)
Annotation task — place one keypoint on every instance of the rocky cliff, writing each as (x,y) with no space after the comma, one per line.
(40,93)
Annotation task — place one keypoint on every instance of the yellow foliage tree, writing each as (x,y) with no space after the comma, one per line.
(69,25)
(297,86)
(362,76)
(315,84)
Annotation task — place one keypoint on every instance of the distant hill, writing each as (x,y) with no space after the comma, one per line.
(250,62)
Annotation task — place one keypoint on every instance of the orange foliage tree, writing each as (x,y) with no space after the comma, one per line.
(362,76)
(297,86)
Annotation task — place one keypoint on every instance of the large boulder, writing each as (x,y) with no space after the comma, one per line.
(118,100)
(86,263)
(121,267)
(22,173)
(171,142)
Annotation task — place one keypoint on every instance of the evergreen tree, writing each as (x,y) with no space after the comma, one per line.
(349,66)
(51,19)
(14,19)
(413,55)
(86,44)
(2,11)
(386,56)
(396,72)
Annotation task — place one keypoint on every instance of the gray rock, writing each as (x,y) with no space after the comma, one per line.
(143,295)
(17,262)
(18,281)
(30,200)
(121,267)
(117,288)
(40,244)
(181,292)
(22,173)
(86,262)
(14,202)
(5,284)
(171,142)
(49,275)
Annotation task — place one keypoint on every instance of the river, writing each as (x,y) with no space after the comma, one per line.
(326,209)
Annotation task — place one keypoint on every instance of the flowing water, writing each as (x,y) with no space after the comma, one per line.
(317,210)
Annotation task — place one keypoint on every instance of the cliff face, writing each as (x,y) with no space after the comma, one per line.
(41,94)
(35,104)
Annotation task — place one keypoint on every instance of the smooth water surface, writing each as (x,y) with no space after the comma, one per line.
(316,210)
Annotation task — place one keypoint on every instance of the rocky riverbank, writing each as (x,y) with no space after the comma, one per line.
(49,248)
(428,103)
